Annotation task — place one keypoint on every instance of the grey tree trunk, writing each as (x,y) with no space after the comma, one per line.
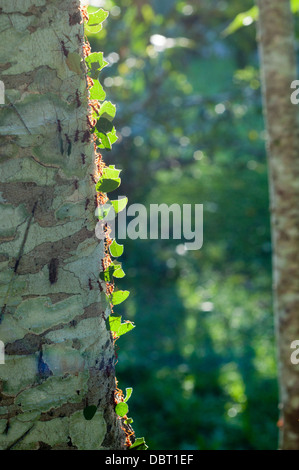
(278,65)
(59,356)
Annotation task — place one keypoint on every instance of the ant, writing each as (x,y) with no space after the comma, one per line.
(100,286)
(78,99)
(86,137)
(93,179)
(83,158)
(69,143)
(64,49)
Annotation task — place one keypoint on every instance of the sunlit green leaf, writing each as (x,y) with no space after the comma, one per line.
(116,250)
(118,327)
(95,63)
(107,110)
(97,92)
(121,409)
(139,444)
(119,296)
(119,204)
(129,392)
(107,185)
(95,19)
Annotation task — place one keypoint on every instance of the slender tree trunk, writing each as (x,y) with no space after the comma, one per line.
(278,65)
(59,356)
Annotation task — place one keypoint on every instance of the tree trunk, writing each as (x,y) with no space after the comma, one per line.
(59,355)
(278,64)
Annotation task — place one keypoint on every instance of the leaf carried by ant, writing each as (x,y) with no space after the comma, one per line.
(95,63)
(116,250)
(97,92)
(95,21)
(119,296)
(121,409)
(139,444)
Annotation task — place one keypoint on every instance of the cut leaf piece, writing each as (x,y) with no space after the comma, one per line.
(118,327)
(139,444)
(111,172)
(95,63)
(97,92)
(112,136)
(116,250)
(119,273)
(104,141)
(129,392)
(107,110)
(104,125)
(107,274)
(119,204)
(129,421)
(121,409)
(119,296)
(95,19)
(107,185)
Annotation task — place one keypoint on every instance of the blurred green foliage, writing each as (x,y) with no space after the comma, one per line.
(189,119)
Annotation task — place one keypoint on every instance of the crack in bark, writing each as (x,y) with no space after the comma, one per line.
(19,115)
(18,260)
(20,438)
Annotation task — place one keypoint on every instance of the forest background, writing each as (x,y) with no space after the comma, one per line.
(202,360)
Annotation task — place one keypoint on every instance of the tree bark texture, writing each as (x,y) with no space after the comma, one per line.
(59,355)
(278,66)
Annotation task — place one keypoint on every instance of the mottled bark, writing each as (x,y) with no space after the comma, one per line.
(59,353)
(276,38)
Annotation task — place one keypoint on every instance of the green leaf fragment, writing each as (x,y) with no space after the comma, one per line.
(119,273)
(95,63)
(112,136)
(119,204)
(109,181)
(111,172)
(121,409)
(107,110)
(104,141)
(95,19)
(107,185)
(116,250)
(114,269)
(97,92)
(129,421)
(129,392)
(139,444)
(119,296)
(107,274)
(118,327)
(104,125)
